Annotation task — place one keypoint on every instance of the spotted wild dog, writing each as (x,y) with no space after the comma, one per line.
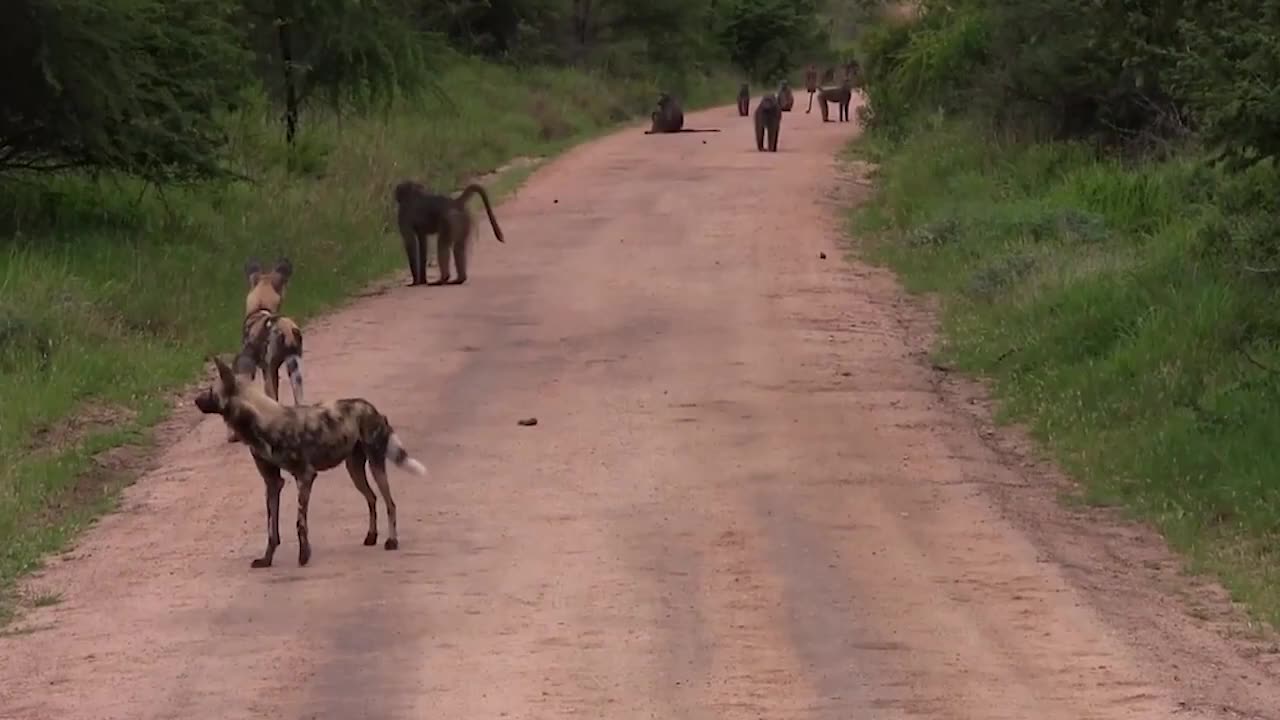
(304,441)
(270,338)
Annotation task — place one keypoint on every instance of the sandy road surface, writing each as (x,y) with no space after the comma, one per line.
(748,496)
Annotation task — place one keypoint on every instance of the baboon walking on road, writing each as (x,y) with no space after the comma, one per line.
(786,100)
(744,100)
(768,119)
(841,96)
(811,84)
(421,213)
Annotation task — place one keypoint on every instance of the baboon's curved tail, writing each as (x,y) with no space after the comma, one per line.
(400,456)
(474,189)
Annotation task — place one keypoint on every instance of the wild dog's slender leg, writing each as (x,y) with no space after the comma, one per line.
(274,483)
(271,377)
(304,480)
(355,468)
(379,467)
(293,366)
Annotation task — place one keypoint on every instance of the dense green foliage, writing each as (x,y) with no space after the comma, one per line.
(1048,168)
(143,87)
(1138,75)
(132,85)
(766,38)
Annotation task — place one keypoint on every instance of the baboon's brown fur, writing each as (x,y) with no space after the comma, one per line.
(420,213)
(669,118)
(768,119)
(841,96)
(786,99)
(811,84)
(304,441)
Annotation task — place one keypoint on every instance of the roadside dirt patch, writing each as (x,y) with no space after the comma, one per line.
(70,431)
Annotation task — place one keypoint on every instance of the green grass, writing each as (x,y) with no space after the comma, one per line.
(1111,307)
(112,296)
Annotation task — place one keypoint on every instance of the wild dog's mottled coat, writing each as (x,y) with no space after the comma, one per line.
(270,338)
(304,441)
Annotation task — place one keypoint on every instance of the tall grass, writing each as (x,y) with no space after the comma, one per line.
(1121,313)
(111,294)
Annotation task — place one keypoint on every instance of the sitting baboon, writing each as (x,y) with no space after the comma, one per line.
(768,118)
(744,100)
(669,118)
(421,213)
(841,96)
(785,98)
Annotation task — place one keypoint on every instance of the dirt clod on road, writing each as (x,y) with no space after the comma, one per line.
(757,500)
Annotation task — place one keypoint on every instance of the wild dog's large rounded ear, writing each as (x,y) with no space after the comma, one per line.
(227,377)
(284,271)
(252,270)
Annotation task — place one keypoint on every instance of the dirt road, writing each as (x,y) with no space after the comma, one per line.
(748,496)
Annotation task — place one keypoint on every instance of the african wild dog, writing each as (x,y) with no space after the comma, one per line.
(270,338)
(304,441)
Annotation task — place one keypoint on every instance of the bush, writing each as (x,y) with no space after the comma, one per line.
(136,86)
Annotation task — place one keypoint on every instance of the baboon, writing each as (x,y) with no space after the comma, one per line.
(851,72)
(841,96)
(786,100)
(669,118)
(768,118)
(829,75)
(305,441)
(811,84)
(421,213)
(744,100)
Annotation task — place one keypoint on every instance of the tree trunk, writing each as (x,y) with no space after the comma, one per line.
(285,39)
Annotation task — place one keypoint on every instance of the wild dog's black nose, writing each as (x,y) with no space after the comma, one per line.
(207,402)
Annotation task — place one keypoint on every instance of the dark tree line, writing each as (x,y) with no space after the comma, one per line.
(1134,74)
(142,87)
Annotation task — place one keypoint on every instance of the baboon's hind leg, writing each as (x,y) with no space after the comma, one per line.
(355,468)
(444,254)
(462,251)
(379,467)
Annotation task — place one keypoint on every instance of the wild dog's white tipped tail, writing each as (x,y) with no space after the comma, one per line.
(401,458)
(294,367)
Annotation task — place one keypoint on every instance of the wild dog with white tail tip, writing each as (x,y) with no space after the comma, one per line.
(272,339)
(304,441)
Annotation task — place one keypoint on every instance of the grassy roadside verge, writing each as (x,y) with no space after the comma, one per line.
(110,297)
(1126,314)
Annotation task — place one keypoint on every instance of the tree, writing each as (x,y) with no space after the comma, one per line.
(134,86)
(360,51)
(765,37)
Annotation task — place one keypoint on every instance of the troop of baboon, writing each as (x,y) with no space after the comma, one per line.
(668,117)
